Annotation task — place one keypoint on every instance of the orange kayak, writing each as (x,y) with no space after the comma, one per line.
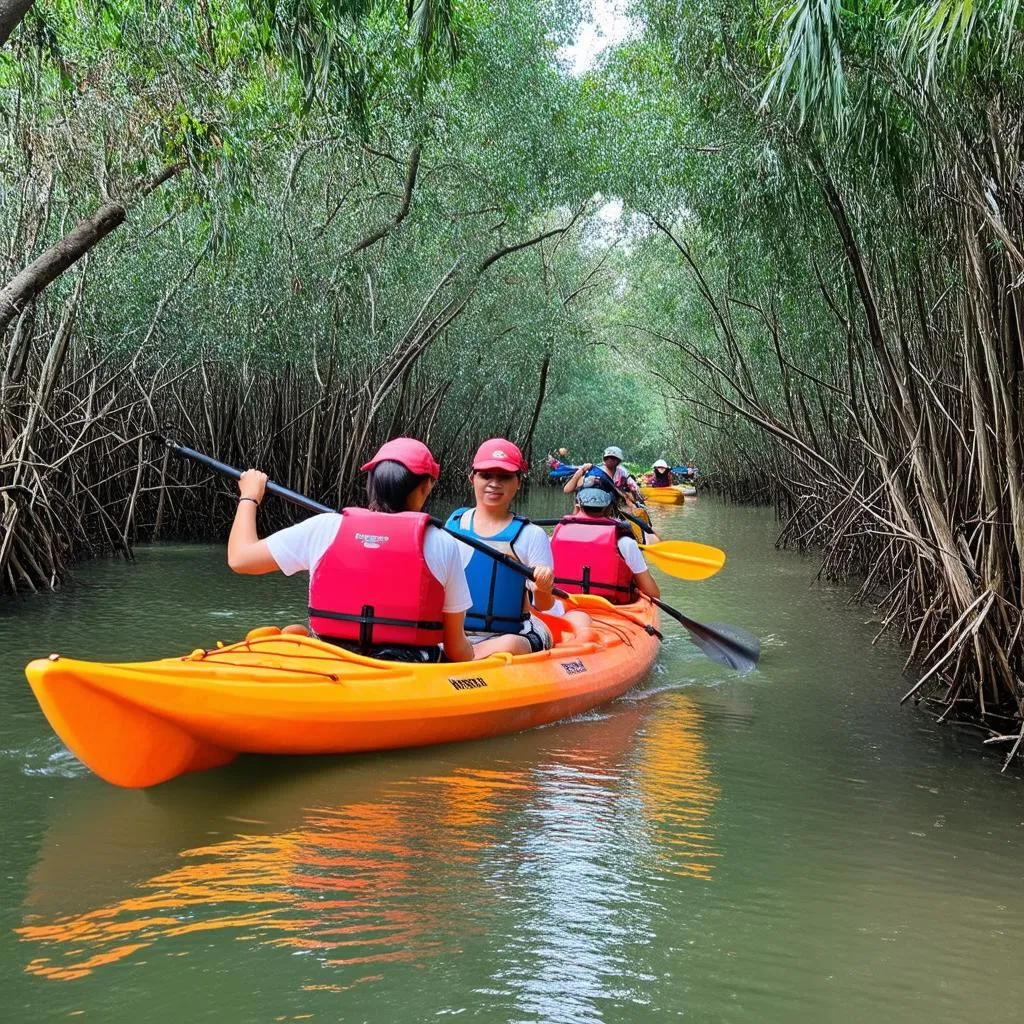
(663,495)
(138,724)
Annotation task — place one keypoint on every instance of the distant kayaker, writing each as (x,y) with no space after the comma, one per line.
(500,616)
(661,475)
(611,476)
(382,581)
(596,554)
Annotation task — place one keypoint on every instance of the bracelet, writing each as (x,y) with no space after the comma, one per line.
(253,500)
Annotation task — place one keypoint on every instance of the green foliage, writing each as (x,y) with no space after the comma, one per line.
(287,246)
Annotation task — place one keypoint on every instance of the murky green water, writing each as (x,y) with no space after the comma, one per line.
(786,846)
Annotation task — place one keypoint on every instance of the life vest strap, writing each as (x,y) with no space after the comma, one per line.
(489,621)
(367,618)
(588,584)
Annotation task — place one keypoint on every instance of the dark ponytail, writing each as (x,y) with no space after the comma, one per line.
(389,485)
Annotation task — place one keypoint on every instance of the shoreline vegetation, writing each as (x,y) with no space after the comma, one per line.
(784,243)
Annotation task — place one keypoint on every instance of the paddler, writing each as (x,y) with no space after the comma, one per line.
(383,582)
(500,617)
(611,476)
(661,475)
(595,553)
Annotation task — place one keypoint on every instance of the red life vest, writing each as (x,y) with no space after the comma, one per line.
(587,559)
(373,586)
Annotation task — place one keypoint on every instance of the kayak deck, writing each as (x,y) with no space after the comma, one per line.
(138,724)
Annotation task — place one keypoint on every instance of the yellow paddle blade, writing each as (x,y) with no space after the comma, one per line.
(685,559)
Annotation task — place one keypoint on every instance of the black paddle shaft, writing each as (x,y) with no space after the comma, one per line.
(314,506)
(234,474)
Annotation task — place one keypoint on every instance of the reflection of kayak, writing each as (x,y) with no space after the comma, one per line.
(688,489)
(98,848)
(663,495)
(137,724)
(328,860)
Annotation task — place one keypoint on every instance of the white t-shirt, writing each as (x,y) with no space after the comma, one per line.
(632,555)
(303,545)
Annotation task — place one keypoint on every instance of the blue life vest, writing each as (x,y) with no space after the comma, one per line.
(499,594)
(598,476)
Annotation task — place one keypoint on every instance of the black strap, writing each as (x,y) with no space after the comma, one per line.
(588,584)
(367,617)
(490,621)
(366,627)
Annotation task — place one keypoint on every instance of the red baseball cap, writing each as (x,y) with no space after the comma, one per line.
(499,453)
(412,454)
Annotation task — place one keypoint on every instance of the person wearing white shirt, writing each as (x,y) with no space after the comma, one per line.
(341,563)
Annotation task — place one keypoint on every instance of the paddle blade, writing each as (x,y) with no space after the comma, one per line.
(728,645)
(684,559)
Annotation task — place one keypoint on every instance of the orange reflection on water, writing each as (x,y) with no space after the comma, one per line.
(387,879)
(678,794)
(335,883)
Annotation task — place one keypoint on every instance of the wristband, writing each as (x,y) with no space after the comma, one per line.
(253,500)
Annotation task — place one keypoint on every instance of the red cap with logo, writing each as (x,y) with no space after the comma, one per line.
(412,454)
(499,453)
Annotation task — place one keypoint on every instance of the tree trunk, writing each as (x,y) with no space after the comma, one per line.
(542,388)
(11,13)
(46,268)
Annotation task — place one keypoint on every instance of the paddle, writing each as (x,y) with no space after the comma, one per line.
(229,471)
(314,506)
(728,645)
(646,527)
(734,649)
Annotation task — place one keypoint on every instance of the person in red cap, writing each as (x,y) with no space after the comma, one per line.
(382,580)
(500,616)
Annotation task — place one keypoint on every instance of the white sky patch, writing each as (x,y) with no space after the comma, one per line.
(610,224)
(608,25)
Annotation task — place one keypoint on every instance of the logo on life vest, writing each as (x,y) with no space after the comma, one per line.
(574,668)
(467,682)
(372,540)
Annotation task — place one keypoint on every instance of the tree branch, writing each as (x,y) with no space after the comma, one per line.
(46,268)
(403,211)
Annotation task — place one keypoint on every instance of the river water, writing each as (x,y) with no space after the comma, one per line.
(784,846)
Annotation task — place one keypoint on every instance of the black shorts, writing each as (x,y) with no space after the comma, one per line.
(390,652)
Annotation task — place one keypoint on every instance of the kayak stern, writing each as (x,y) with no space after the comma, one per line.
(121,742)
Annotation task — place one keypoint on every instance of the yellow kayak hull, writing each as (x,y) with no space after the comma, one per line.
(663,495)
